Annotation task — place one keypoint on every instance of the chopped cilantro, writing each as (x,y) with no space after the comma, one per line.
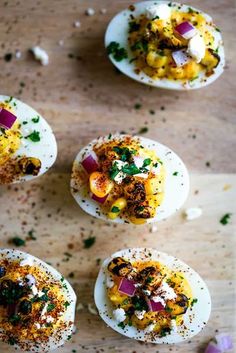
(34,136)
(89,242)
(131,169)
(114,170)
(168,310)
(17,241)
(164,331)
(36,119)
(194,301)
(190,10)
(24,122)
(143,130)
(115,209)
(225,219)
(217,29)
(133,26)
(139,303)
(175,173)
(121,325)
(124,153)
(146,162)
(66,304)
(149,279)
(118,53)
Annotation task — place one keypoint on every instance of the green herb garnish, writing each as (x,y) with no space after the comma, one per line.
(36,119)
(194,301)
(118,53)
(225,219)
(17,241)
(89,242)
(121,325)
(115,209)
(50,307)
(143,130)
(175,173)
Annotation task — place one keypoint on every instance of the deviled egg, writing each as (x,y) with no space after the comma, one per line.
(150,296)
(37,305)
(126,178)
(166,44)
(28,146)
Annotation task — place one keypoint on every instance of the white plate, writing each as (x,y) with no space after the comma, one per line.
(194,319)
(117,31)
(176,188)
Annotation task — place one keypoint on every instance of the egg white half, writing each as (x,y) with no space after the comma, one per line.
(194,319)
(117,31)
(176,188)
(45,149)
(67,291)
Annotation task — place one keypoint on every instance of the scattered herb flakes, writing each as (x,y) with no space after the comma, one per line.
(121,325)
(109,136)
(217,29)
(131,169)
(115,209)
(66,304)
(36,119)
(89,242)
(175,173)
(116,51)
(24,122)
(34,136)
(31,234)
(137,106)
(143,130)
(225,219)
(17,241)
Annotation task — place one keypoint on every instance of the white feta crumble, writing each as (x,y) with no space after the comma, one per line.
(109,282)
(150,328)
(163,293)
(192,213)
(161,12)
(90,11)
(49,319)
(173,326)
(196,48)
(37,325)
(34,290)
(147,292)
(43,312)
(28,261)
(40,55)
(119,315)
(140,314)
(92,309)
(77,24)
(120,176)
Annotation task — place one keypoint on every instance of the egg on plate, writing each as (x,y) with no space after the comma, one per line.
(125,179)
(37,305)
(150,296)
(166,44)
(28,146)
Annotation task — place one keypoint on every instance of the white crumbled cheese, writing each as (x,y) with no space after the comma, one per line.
(43,312)
(140,314)
(119,315)
(90,12)
(138,161)
(40,55)
(77,24)
(120,176)
(196,48)
(192,213)
(34,290)
(150,328)
(109,282)
(92,309)
(80,306)
(173,326)
(103,11)
(161,12)
(37,325)
(163,293)
(40,293)
(18,54)
(28,261)
(49,319)
(147,292)
(137,285)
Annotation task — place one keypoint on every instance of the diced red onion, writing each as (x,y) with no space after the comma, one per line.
(212,348)
(180,57)
(99,199)
(7,119)
(224,342)
(90,163)
(155,306)
(186,30)
(30,280)
(127,287)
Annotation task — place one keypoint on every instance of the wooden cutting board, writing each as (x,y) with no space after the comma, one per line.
(82,96)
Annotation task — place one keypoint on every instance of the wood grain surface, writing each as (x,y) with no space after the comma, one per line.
(82,96)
